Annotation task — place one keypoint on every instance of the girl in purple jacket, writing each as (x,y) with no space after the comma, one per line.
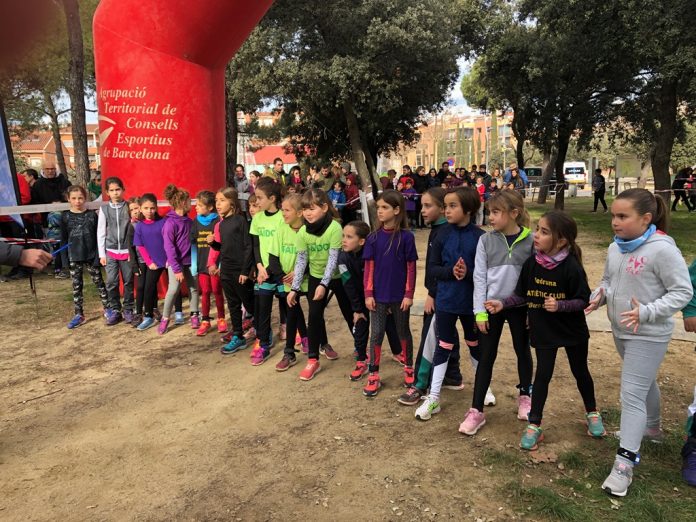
(176,233)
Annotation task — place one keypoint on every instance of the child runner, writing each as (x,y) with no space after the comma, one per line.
(499,258)
(112,231)
(389,281)
(452,264)
(318,246)
(264,227)
(231,258)
(283,256)
(176,232)
(149,242)
(433,212)
(137,263)
(645,283)
(337,196)
(208,284)
(689,449)
(553,283)
(79,230)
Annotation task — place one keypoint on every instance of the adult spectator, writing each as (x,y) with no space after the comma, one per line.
(346,171)
(433,178)
(241,184)
(599,187)
(406,172)
(522,174)
(350,211)
(497,177)
(51,187)
(94,187)
(516,182)
(484,174)
(18,256)
(278,173)
(295,179)
(444,171)
(324,179)
(32,221)
(678,189)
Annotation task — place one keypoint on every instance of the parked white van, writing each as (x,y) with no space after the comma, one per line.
(575,173)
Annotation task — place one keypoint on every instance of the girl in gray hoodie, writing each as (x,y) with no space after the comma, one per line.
(645,283)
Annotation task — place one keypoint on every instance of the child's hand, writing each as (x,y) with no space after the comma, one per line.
(289,277)
(493,306)
(550,304)
(210,239)
(594,303)
(482,326)
(406,304)
(319,293)
(242,278)
(213,270)
(102,261)
(690,324)
(358,317)
(262,275)
(152,266)
(429,306)
(632,317)
(179,276)
(292,299)
(370,304)
(459,269)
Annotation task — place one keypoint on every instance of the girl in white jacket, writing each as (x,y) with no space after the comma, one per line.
(645,283)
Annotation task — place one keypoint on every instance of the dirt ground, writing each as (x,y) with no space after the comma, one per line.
(112,424)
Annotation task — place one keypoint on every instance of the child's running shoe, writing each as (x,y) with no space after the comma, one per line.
(286,362)
(373,385)
(179,318)
(221,326)
(595,426)
(147,322)
(76,321)
(531,437)
(112,317)
(227,337)
(310,370)
(203,328)
(195,321)
(137,319)
(473,421)
(283,332)
(524,405)
(259,355)
(156,314)
(163,325)
(410,397)
(489,400)
(234,345)
(451,384)
(688,453)
(359,371)
(328,352)
(250,334)
(619,479)
(247,324)
(429,408)
(409,376)
(128,316)
(298,339)
(399,357)
(305,345)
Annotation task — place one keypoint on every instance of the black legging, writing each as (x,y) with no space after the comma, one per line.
(295,323)
(488,343)
(150,290)
(546,360)
(140,288)
(681,194)
(599,198)
(316,326)
(236,295)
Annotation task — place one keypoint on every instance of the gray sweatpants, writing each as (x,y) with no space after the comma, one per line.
(640,394)
(173,290)
(115,267)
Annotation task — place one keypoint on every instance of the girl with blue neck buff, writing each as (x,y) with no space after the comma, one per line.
(645,283)
(202,227)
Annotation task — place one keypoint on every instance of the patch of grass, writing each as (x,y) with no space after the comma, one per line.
(573,460)
(505,459)
(547,502)
(611,417)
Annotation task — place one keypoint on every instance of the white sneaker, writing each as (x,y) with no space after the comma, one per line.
(429,407)
(619,479)
(490,398)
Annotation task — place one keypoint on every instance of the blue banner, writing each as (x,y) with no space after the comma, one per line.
(8,187)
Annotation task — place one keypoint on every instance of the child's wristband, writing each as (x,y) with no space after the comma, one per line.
(481,317)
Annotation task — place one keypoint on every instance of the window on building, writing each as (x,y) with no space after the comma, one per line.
(35,162)
(68,143)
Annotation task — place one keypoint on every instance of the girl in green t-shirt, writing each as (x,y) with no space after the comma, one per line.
(263,230)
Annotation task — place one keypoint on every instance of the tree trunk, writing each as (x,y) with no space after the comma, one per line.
(548,167)
(361,157)
(644,173)
(519,139)
(76,90)
(564,132)
(55,130)
(232,136)
(662,151)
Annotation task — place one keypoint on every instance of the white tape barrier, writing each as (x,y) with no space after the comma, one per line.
(92,205)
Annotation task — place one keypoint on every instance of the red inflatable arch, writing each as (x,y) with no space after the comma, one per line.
(160,68)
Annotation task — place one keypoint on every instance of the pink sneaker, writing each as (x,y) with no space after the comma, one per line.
(524,404)
(221,326)
(473,422)
(305,345)
(162,328)
(250,334)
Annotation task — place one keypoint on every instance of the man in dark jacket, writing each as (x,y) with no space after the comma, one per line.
(599,187)
(17,255)
(51,187)
(444,171)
